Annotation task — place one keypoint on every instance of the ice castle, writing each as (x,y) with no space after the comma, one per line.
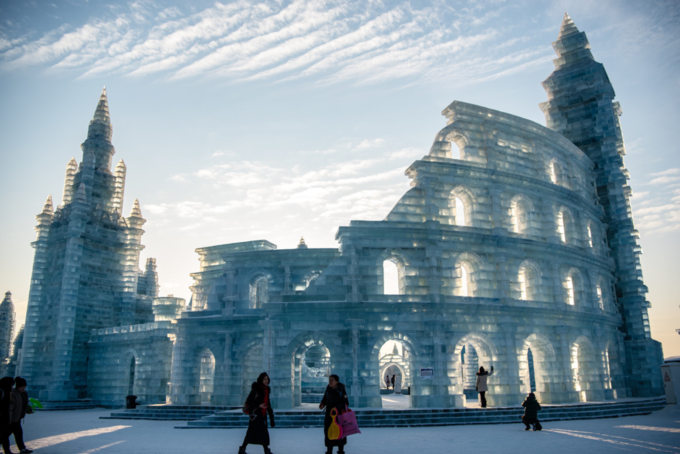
(514,248)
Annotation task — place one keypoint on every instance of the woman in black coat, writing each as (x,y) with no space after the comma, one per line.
(334,397)
(257,407)
(6,384)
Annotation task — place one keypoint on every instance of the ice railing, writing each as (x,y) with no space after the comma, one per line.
(132,328)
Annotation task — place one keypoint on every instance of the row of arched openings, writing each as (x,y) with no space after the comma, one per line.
(522,217)
(557,172)
(528,282)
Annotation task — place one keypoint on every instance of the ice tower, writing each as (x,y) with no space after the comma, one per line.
(7,320)
(85,270)
(581,107)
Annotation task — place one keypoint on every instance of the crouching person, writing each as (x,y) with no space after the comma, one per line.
(531,409)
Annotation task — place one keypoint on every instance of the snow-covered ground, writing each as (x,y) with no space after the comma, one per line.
(82,432)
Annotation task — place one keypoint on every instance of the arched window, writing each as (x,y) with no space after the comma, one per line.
(390,277)
(528,278)
(600,300)
(520,209)
(589,232)
(464,281)
(553,172)
(460,207)
(560,227)
(571,296)
(460,212)
(455,151)
(573,286)
(565,226)
(259,292)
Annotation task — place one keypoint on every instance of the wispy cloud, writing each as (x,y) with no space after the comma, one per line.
(658,210)
(361,188)
(329,40)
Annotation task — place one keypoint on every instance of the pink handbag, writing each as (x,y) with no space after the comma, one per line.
(348,422)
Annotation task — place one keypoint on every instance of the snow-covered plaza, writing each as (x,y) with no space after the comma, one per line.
(81,432)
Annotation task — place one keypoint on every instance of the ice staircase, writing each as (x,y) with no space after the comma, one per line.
(440,416)
(169,412)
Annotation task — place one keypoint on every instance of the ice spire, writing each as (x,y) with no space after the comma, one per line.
(99,135)
(102,112)
(47,209)
(120,186)
(7,320)
(136,211)
(71,169)
(302,244)
(571,44)
(568,27)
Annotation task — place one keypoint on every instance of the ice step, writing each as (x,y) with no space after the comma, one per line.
(436,417)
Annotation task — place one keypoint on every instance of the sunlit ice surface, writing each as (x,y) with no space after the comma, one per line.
(47,442)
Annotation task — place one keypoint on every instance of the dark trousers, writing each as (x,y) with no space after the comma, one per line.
(4,439)
(16,429)
(482,398)
(531,421)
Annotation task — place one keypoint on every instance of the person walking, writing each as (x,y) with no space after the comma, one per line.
(387,381)
(6,384)
(394,377)
(531,409)
(334,397)
(257,407)
(17,410)
(481,386)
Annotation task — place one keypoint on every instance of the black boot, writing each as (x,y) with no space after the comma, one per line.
(242,450)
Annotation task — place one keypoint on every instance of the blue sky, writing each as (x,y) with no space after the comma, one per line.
(247,120)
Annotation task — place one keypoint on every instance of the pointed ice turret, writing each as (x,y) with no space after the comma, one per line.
(71,169)
(120,186)
(136,211)
(302,244)
(99,135)
(571,44)
(47,208)
(101,113)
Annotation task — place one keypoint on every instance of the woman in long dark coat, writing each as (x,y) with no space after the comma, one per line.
(334,397)
(258,406)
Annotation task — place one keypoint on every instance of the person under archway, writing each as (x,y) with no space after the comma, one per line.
(257,406)
(394,378)
(387,380)
(481,386)
(334,397)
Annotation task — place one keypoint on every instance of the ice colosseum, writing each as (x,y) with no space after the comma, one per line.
(514,248)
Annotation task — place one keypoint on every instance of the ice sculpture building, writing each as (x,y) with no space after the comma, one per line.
(514,248)
(85,271)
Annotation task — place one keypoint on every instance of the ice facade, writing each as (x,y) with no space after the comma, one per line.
(85,271)
(7,326)
(514,248)
(497,253)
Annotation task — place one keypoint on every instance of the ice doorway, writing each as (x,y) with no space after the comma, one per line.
(395,364)
(207,377)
